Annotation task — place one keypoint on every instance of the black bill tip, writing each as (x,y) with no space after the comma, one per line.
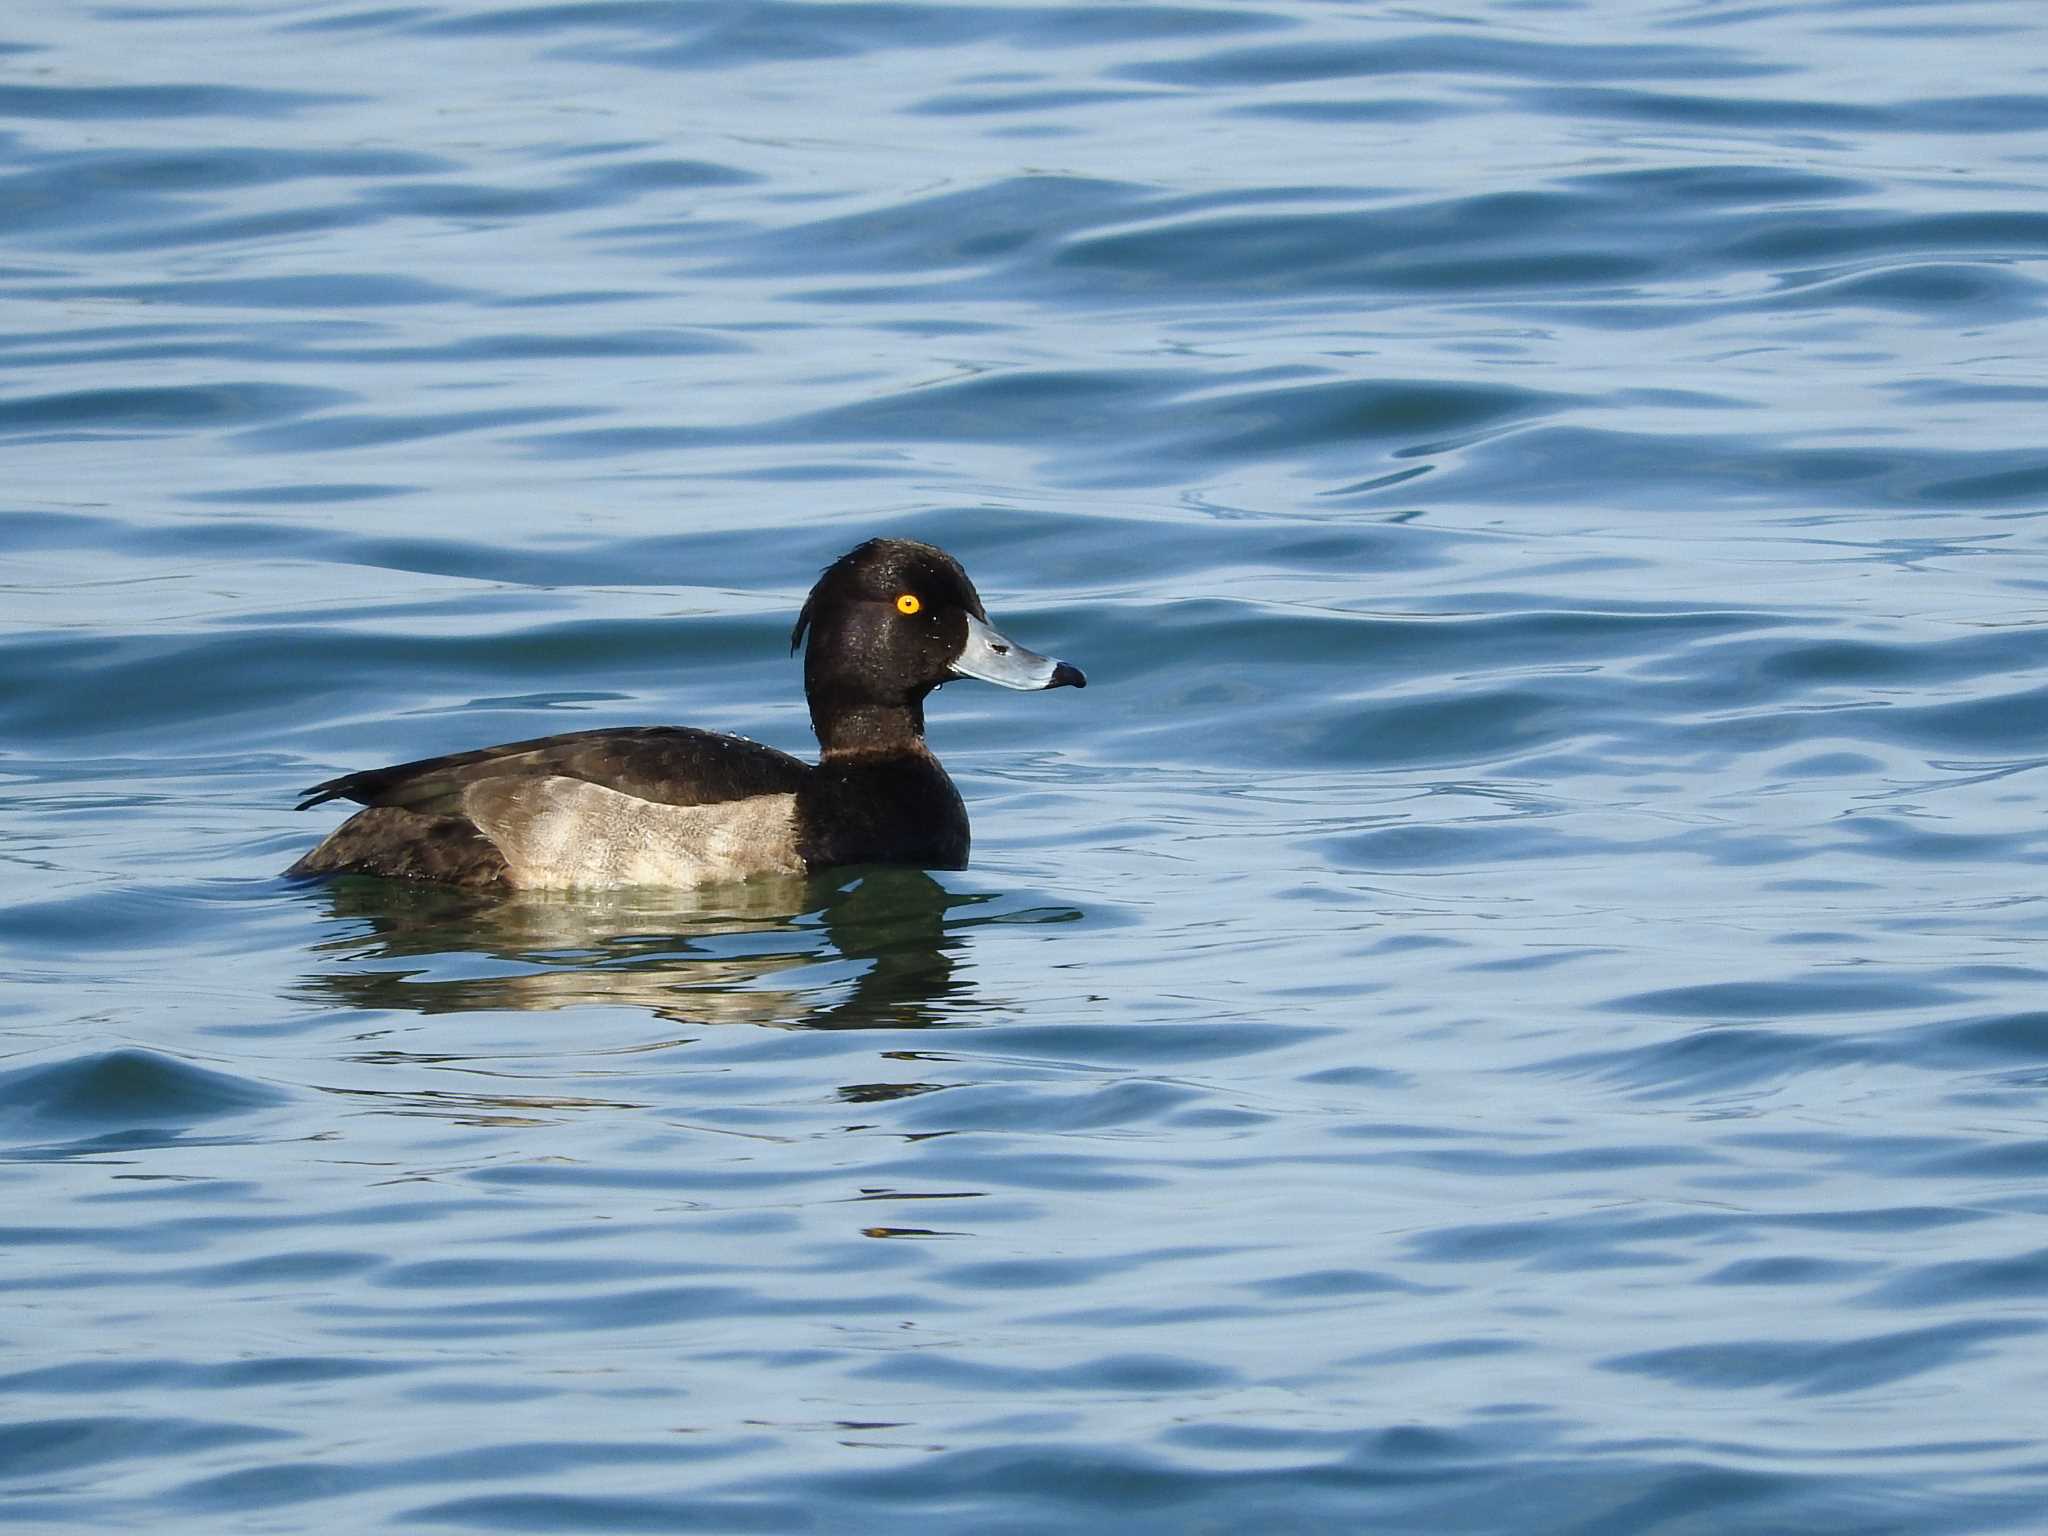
(1067,675)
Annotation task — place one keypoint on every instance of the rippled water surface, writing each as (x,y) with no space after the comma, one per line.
(1512,1003)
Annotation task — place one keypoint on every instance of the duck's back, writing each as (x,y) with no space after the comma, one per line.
(650,805)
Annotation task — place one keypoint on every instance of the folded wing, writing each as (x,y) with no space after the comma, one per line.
(667,764)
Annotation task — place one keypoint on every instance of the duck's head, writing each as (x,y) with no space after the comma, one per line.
(892,620)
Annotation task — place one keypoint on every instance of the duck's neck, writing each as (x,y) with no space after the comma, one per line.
(869,730)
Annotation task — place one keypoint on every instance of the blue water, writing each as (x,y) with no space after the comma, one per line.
(1513,1003)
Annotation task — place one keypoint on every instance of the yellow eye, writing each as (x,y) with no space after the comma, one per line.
(908,603)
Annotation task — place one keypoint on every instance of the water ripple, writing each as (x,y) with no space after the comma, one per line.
(1515,988)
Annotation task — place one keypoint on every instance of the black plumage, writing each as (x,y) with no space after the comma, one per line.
(886,624)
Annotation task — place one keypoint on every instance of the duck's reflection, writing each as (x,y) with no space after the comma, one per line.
(855,949)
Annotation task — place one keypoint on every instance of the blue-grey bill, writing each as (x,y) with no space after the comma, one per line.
(990,658)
